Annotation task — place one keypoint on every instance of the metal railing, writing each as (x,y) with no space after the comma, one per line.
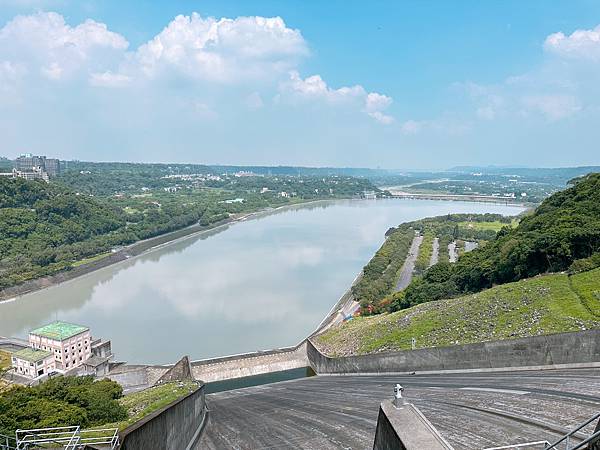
(7,442)
(66,437)
(69,438)
(526,445)
(566,439)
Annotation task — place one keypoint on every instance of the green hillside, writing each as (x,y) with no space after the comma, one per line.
(563,229)
(541,305)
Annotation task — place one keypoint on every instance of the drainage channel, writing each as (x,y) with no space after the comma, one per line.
(258,380)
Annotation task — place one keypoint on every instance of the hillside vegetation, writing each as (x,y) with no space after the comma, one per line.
(565,228)
(375,289)
(541,305)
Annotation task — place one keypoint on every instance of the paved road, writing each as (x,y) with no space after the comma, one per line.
(470,246)
(408,267)
(452,252)
(435,252)
(472,411)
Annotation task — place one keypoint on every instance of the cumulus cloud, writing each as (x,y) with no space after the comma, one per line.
(109,79)
(314,88)
(584,44)
(56,50)
(223,50)
(552,107)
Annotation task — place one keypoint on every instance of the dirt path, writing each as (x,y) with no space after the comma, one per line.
(409,264)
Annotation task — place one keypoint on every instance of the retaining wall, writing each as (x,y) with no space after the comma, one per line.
(553,350)
(175,427)
(256,363)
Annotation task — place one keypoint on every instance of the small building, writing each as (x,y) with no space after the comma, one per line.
(70,344)
(33,363)
(369,195)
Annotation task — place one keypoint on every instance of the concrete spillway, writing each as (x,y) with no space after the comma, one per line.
(469,410)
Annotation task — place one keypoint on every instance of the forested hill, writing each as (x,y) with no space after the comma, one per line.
(43,227)
(563,233)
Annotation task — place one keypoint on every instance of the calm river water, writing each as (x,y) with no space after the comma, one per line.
(262,283)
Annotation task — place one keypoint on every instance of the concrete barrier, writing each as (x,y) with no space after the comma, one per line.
(405,428)
(556,350)
(249,364)
(177,426)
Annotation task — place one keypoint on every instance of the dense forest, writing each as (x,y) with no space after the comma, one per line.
(562,234)
(47,228)
(60,401)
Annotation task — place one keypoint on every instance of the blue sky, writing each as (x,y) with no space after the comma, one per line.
(398,84)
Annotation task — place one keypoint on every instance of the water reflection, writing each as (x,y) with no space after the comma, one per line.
(266,282)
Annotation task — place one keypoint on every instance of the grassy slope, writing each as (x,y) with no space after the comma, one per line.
(142,403)
(494,226)
(542,305)
(425,251)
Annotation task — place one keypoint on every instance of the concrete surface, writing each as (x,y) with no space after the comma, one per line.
(435,252)
(548,350)
(256,363)
(471,411)
(452,252)
(175,427)
(406,272)
(404,427)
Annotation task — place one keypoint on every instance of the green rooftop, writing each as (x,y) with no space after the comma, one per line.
(59,330)
(32,354)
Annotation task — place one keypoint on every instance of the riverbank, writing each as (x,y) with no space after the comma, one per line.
(134,250)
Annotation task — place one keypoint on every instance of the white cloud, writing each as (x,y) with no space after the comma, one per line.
(45,42)
(314,88)
(553,107)
(10,78)
(411,127)
(254,101)
(374,105)
(584,44)
(109,79)
(223,50)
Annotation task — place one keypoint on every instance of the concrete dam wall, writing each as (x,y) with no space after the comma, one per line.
(177,426)
(256,363)
(555,350)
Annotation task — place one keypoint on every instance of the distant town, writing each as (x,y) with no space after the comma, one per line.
(32,167)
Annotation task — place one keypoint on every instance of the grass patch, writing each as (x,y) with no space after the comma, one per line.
(142,403)
(4,360)
(90,259)
(542,305)
(425,251)
(493,226)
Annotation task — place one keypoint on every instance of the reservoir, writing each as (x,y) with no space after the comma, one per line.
(261,283)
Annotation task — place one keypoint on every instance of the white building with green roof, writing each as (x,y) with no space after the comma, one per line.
(71,344)
(33,363)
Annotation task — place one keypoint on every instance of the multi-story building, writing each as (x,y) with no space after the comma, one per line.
(70,344)
(28,164)
(52,167)
(33,363)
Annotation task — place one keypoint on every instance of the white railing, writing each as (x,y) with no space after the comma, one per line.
(542,445)
(69,438)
